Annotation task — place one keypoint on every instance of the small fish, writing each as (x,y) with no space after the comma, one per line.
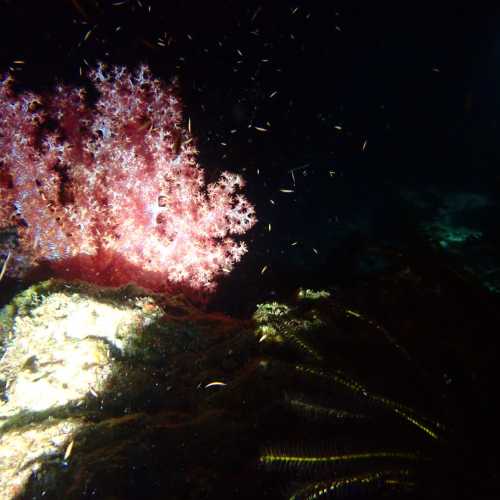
(69,449)
(4,266)
(353,313)
(216,383)
(86,37)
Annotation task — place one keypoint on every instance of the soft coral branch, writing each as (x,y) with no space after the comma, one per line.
(113,193)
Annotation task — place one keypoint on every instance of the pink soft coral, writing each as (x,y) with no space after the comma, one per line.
(112,193)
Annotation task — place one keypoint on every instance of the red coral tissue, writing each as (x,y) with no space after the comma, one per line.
(111,192)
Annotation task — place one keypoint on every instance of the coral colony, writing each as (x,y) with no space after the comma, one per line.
(111,193)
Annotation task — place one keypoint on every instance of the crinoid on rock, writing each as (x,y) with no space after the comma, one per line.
(358,415)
